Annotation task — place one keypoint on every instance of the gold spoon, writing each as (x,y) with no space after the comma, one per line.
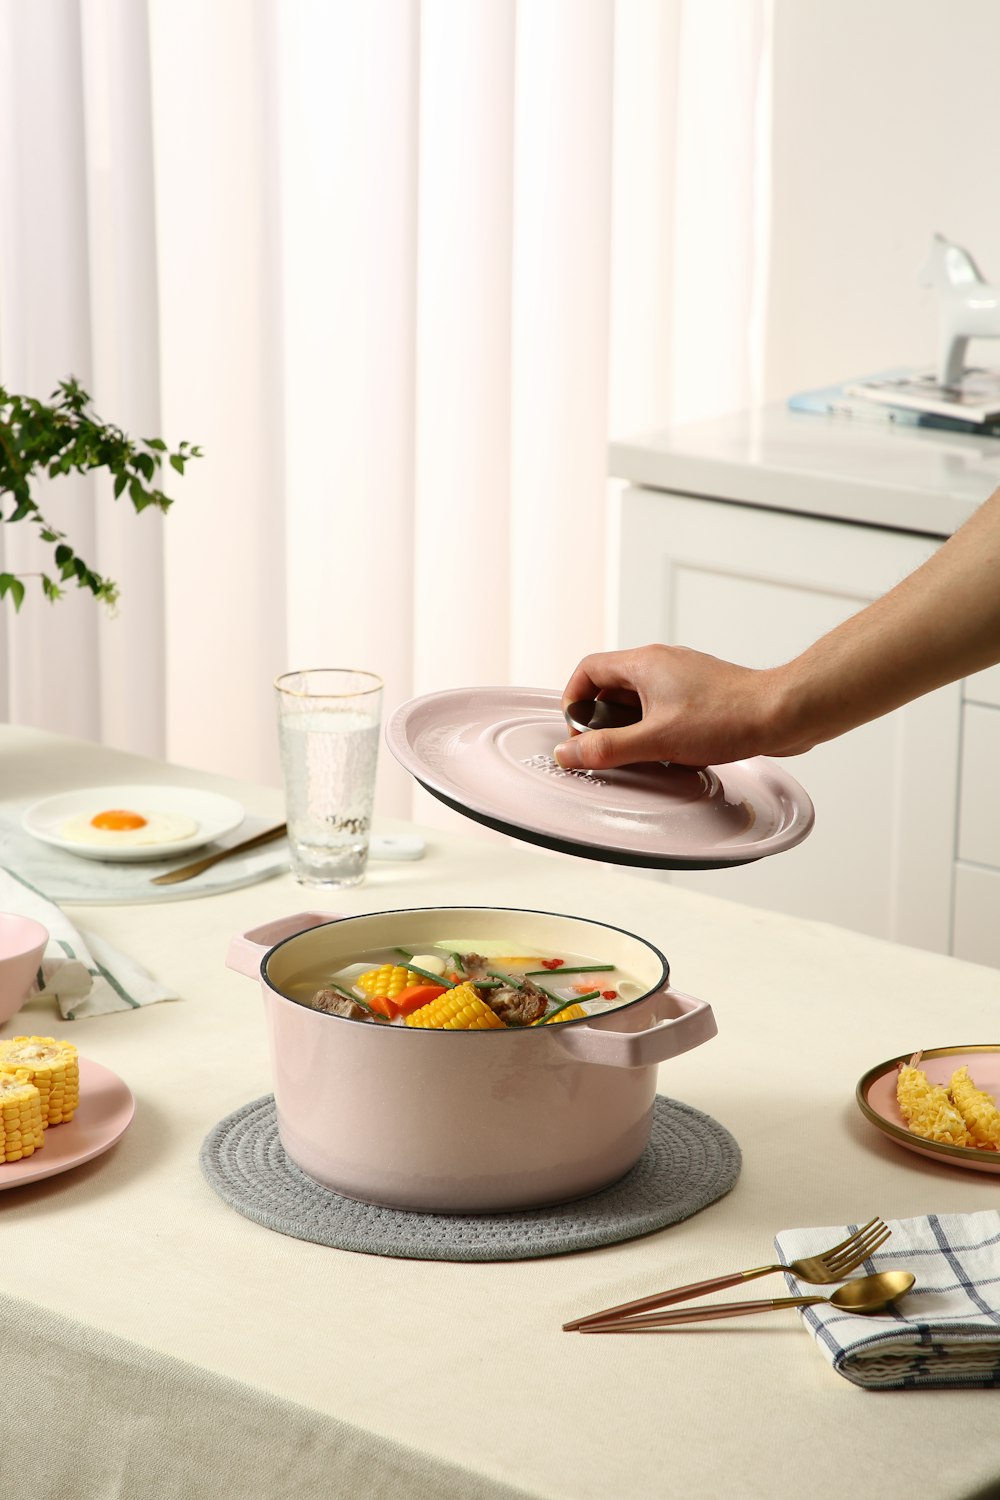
(868,1294)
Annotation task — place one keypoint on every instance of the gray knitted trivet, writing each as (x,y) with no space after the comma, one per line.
(690,1162)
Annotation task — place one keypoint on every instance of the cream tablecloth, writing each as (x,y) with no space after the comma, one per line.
(157,1344)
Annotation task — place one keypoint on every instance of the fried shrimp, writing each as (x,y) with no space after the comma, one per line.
(978,1110)
(927,1108)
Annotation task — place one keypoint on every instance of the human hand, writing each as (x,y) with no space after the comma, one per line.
(697,710)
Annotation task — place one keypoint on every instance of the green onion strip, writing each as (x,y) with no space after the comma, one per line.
(591,995)
(576,969)
(447,984)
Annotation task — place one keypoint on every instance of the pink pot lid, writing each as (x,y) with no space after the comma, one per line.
(487,752)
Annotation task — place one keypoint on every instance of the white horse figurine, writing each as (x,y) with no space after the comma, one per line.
(969,307)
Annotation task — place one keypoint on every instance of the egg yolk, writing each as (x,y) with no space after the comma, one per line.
(117,820)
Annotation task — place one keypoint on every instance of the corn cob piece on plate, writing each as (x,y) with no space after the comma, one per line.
(22,1129)
(52,1066)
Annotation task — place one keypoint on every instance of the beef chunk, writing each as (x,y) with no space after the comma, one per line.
(339,1005)
(475,965)
(517,1006)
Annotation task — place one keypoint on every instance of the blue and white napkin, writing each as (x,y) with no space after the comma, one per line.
(83,974)
(945,1332)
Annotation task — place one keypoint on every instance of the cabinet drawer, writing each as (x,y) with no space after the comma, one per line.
(983,687)
(979,805)
(977,915)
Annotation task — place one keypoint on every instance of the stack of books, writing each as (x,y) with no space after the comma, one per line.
(913,398)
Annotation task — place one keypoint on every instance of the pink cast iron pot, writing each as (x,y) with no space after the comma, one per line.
(464,1121)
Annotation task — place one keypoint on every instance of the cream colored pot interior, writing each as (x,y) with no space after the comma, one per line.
(340,943)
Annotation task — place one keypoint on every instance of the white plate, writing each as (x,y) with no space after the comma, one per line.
(487,752)
(214,815)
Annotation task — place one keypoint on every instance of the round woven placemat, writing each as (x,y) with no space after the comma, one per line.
(691,1160)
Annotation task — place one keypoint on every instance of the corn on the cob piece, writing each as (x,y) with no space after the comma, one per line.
(22,1129)
(571,1013)
(53,1069)
(459,1009)
(927,1109)
(977,1108)
(387,979)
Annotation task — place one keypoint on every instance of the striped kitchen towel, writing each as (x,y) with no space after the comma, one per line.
(945,1332)
(82,973)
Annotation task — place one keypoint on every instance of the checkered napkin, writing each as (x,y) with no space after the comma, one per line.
(945,1332)
(82,973)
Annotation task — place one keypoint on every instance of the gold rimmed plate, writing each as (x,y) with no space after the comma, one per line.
(876,1097)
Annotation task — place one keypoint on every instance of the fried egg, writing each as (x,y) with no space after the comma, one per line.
(123,828)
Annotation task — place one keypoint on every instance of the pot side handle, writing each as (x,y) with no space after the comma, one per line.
(247,951)
(640,1049)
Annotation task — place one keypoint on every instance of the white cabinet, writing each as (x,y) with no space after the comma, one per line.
(907,838)
(976,915)
(979,808)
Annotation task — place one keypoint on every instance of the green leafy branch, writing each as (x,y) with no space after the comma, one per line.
(39,439)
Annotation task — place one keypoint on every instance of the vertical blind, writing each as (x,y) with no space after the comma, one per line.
(400,269)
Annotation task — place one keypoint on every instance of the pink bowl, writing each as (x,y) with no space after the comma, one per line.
(22,943)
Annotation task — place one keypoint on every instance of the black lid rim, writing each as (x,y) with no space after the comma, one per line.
(606,856)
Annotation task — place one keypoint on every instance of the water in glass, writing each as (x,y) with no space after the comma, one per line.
(329,760)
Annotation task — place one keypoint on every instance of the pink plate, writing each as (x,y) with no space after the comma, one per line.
(876,1096)
(487,752)
(102,1117)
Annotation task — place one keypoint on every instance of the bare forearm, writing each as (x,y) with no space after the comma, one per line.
(940,623)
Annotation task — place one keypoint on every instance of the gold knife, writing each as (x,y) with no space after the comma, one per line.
(187,872)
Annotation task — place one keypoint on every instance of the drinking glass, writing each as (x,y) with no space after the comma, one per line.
(328,730)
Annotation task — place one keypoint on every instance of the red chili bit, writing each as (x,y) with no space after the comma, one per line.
(553,963)
(609,994)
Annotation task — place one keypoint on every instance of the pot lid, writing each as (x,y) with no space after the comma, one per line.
(487,753)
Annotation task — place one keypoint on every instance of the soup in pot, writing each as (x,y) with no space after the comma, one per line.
(485,986)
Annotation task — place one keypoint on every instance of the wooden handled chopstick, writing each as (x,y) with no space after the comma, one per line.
(188,872)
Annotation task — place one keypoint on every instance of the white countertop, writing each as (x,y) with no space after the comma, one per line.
(909,479)
(165,1346)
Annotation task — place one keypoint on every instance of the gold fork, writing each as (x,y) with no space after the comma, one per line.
(831,1265)
(187,872)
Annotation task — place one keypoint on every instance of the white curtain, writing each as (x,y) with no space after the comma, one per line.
(400,268)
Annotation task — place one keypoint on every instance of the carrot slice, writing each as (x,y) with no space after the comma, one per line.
(384,1006)
(416,995)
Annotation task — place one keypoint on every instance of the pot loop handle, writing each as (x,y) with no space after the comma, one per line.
(246,953)
(640,1049)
